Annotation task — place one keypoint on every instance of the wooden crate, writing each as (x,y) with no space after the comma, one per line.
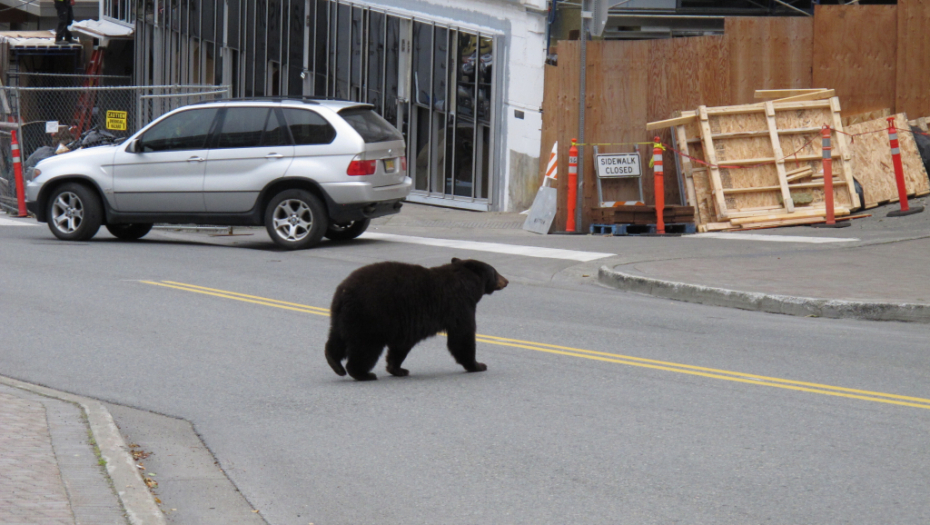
(763,162)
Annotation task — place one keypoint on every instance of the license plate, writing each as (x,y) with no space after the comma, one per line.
(389,165)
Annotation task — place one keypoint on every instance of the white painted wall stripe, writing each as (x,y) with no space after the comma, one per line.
(17,222)
(510,249)
(767,238)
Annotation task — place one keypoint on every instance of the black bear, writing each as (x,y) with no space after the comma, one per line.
(398,305)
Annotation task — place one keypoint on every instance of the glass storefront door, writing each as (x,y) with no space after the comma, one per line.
(434,82)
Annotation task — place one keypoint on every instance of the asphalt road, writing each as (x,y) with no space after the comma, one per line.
(597,406)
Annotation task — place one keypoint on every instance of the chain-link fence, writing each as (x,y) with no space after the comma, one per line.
(47,119)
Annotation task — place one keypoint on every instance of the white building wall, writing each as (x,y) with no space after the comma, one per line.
(521,26)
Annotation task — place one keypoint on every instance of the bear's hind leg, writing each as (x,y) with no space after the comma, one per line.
(395,358)
(362,358)
(336,352)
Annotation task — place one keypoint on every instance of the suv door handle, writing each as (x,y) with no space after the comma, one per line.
(274,156)
(195,159)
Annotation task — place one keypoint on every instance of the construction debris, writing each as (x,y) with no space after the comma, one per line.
(761,165)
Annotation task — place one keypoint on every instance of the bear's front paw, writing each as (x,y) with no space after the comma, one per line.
(477,367)
(397,371)
(364,377)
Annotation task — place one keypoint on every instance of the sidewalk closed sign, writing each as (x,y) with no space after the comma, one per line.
(617,165)
(116,120)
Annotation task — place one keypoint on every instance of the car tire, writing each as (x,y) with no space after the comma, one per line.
(129,232)
(347,232)
(296,219)
(74,212)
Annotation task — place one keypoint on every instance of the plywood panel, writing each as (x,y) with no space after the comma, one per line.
(913,58)
(684,73)
(550,130)
(855,53)
(768,53)
(560,114)
(873,165)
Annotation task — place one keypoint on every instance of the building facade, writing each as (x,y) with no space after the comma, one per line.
(462,79)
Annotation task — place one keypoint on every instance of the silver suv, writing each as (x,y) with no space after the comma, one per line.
(304,169)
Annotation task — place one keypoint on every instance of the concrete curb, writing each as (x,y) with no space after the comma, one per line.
(135,497)
(761,302)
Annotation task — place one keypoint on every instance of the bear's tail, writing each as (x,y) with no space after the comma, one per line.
(336,352)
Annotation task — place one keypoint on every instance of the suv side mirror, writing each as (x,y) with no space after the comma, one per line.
(135,146)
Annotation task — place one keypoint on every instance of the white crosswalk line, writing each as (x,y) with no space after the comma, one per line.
(528,251)
(768,238)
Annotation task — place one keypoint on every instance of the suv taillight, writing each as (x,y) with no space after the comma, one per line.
(362,167)
(403,164)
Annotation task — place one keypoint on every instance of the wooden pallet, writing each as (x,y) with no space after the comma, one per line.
(762,160)
(640,229)
(643,214)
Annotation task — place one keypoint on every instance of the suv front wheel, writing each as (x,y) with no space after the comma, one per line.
(74,212)
(295,219)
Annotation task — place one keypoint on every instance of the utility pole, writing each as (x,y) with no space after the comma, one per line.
(587,14)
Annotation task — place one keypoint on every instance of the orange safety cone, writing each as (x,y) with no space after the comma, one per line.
(18,174)
(572,193)
(658,177)
(899,174)
(828,183)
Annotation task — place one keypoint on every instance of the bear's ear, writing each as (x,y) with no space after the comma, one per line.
(456,260)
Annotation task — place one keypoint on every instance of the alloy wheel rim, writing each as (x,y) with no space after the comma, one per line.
(292,220)
(68,212)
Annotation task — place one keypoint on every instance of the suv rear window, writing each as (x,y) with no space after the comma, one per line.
(370,125)
(308,127)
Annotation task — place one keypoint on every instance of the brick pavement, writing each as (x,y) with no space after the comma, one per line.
(49,472)
(31,489)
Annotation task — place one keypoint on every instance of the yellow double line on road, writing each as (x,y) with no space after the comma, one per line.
(714,373)
(242,297)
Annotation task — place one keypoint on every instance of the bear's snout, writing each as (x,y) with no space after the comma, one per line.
(502,282)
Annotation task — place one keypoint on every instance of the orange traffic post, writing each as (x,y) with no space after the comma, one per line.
(572,194)
(899,174)
(828,182)
(659,180)
(18,174)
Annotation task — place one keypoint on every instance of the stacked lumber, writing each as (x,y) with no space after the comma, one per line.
(761,164)
(645,214)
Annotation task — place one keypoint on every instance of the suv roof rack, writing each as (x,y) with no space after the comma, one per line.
(307,99)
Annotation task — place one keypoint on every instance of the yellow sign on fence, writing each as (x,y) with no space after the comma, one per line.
(116,120)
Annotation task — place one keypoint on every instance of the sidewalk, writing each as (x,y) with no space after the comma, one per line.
(62,461)
(878,268)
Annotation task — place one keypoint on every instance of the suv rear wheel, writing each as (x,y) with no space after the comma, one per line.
(74,212)
(348,231)
(129,232)
(296,219)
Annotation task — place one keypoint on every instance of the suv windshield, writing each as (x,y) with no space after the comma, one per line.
(370,125)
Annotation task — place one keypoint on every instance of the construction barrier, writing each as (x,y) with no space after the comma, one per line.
(572,194)
(18,174)
(899,174)
(828,201)
(659,179)
(55,113)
